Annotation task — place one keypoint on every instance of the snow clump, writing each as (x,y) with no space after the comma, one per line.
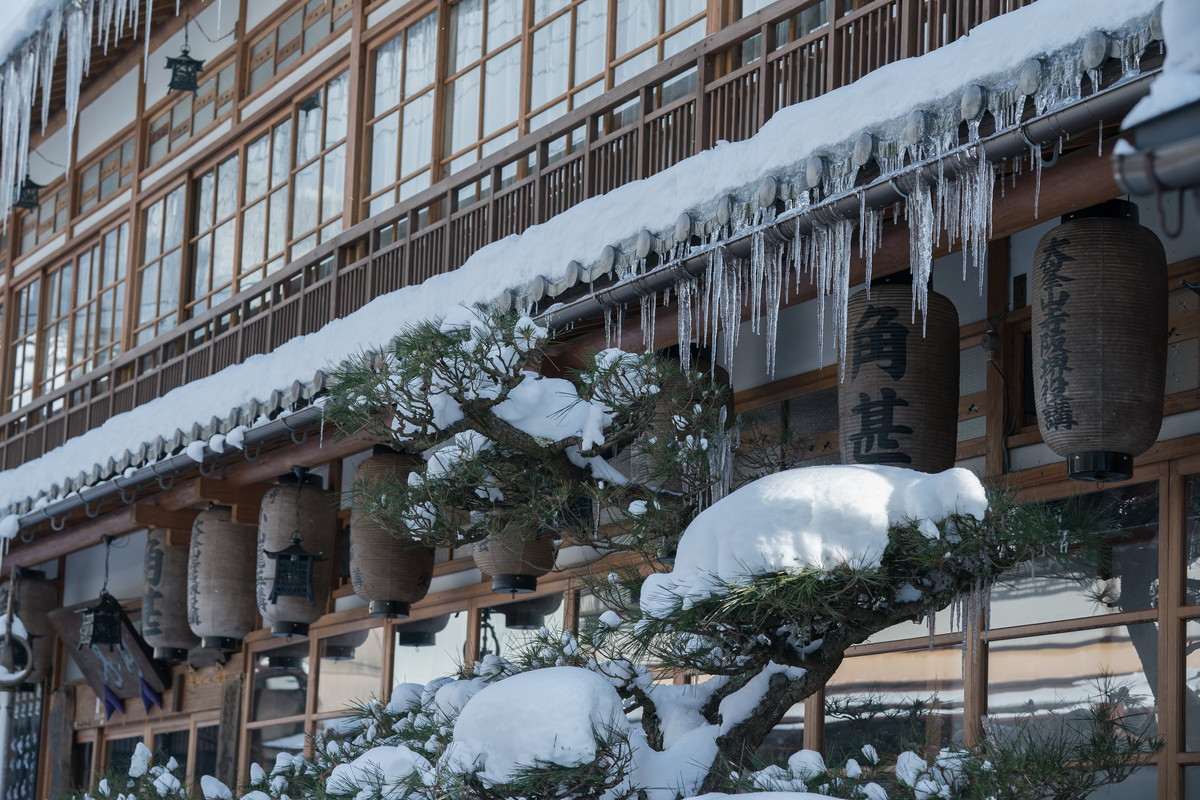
(550,715)
(806,518)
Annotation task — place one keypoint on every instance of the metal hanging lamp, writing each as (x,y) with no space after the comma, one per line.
(102,622)
(27,194)
(185,70)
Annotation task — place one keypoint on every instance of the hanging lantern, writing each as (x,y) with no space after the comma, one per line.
(297,526)
(27,194)
(34,598)
(422,633)
(220,583)
(1099,327)
(898,398)
(515,559)
(164,599)
(388,570)
(290,657)
(102,622)
(529,615)
(185,70)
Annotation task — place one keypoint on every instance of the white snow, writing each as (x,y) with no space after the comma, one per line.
(139,762)
(807,518)
(550,715)
(378,773)
(213,789)
(1179,83)
(583,231)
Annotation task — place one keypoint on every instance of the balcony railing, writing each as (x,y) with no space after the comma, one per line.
(724,87)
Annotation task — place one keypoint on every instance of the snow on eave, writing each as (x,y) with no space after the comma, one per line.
(881,102)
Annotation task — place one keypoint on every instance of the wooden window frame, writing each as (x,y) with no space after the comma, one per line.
(177,137)
(297,50)
(125,165)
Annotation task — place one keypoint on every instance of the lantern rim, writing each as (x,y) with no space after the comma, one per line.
(289,630)
(170,654)
(514,584)
(389,608)
(1099,466)
(220,642)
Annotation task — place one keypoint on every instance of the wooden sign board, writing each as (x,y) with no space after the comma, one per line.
(119,668)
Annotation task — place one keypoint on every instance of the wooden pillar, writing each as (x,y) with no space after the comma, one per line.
(60,718)
(997,407)
(228,729)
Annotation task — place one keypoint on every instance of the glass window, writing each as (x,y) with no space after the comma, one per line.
(351,669)
(508,628)
(214,235)
(188,115)
(894,701)
(1125,579)
(1051,681)
(120,753)
(23,358)
(318,179)
(158,275)
(172,745)
(39,225)
(302,32)
(280,686)
(106,176)
(1191,687)
(267,743)
(206,750)
(429,648)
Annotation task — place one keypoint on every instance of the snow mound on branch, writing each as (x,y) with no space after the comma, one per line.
(380,772)
(807,518)
(763,796)
(550,715)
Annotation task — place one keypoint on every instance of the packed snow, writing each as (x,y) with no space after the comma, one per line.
(806,518)
(552,715)
(579,234)
(1179,83)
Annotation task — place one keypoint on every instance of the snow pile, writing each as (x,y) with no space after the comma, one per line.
(552,715)
(1179,83)
(806,518)
(379,773)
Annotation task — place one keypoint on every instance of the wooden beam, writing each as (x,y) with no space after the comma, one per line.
(146,515)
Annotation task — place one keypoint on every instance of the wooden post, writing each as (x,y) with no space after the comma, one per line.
(996,407)
(228,729)
(59,722)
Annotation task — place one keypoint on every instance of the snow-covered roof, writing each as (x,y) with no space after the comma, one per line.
(882,103)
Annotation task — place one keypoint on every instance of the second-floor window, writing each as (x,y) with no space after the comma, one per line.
(41,224)
(158,279)
(23,349)
(84,311)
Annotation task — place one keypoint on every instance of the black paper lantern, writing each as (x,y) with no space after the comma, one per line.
(27,194)
(185,70)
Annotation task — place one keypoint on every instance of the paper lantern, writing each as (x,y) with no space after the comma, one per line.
(297,528)
(220,585)
(898,398)
(515,559)
(165,599)
(387,569)
(1099,327)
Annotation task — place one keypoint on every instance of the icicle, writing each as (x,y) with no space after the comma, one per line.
(774,281)
(1100,139)
(608,326)
(51,34)
(758,266)
(79,55)
(1035,155)
(919,207)
(146,46)
(685,291)
(649,307)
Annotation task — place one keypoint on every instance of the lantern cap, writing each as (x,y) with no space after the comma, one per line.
(339,652)
(1099,465)
(170,654)
(514,584)
(289,630)
(300,476)
(284,662)
(220,642)
(389,608)
(1112,209)
(523,620)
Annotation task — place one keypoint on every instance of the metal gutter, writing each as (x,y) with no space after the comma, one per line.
(1167,167)
(1107,105)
